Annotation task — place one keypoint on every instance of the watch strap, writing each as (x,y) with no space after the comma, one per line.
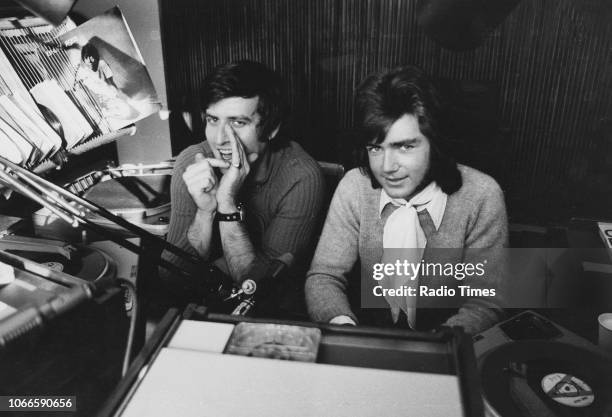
(230,217)
(236,216)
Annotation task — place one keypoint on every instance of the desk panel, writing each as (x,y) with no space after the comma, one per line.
(189,383)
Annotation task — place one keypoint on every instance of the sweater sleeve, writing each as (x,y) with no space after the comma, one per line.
(336,254)
(182,212)
(487,238)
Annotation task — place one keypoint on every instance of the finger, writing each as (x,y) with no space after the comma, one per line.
(232,133)
(201,162)
(208,185)
(240,145)
(218,163)
(198,168)
(199,179)
(199,184)
(196,174)
(236,159)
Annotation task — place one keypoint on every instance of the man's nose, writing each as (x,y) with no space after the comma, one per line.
(220,136)
(389,163)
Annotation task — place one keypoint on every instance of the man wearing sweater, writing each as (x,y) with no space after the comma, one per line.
(246,195)
(408,200)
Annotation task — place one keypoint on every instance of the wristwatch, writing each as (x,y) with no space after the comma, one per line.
(237,216)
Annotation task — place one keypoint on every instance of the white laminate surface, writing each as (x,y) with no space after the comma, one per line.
(188,383)
(206,336)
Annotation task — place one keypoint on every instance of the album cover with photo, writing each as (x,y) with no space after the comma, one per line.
(110,70)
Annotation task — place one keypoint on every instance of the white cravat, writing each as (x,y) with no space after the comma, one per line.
(403,230)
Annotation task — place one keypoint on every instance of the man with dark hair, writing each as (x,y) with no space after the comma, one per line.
(246,194)
(408,196)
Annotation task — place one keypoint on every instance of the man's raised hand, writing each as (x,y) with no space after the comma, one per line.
(239,168)
(201,181)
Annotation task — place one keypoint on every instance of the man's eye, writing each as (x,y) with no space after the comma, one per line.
(211,120)
(238,123)
(373,149)
(406,147)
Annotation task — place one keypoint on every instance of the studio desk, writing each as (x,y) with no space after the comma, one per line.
(185,370)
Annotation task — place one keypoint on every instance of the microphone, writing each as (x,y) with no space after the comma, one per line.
(263,270)
(243,307)
(249,287)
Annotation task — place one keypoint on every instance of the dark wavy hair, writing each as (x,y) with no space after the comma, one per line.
(248,79)
(384,97)
(88,50)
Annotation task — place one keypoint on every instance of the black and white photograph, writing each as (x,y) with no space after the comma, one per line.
(307,208)
(109,66)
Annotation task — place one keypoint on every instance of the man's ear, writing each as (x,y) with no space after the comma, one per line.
(274,132)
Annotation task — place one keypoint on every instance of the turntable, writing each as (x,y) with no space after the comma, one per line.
(531,367)
(84,262)
(130,191)
(136,192)
(59,334)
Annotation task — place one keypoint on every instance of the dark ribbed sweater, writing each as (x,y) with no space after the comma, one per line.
(282,205)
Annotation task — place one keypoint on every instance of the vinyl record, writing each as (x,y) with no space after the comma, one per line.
(546,378)
(85,263)
(54,261)
(129,193)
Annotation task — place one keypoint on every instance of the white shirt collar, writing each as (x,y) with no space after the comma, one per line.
(436,211)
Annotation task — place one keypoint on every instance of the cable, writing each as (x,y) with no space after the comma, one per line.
(130,340)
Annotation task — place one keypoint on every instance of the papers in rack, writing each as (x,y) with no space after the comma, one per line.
(63,86)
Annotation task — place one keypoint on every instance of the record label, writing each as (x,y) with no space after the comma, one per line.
(568,390)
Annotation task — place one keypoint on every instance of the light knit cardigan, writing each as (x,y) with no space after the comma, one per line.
(474,217)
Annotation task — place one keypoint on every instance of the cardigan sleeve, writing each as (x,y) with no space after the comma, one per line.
(487,236)
(335,256)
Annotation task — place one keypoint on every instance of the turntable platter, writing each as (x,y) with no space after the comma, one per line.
(86,263)
(131,193)
(536,377)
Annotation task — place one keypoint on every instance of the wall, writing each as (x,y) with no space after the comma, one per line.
(533,108)
(151,143)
